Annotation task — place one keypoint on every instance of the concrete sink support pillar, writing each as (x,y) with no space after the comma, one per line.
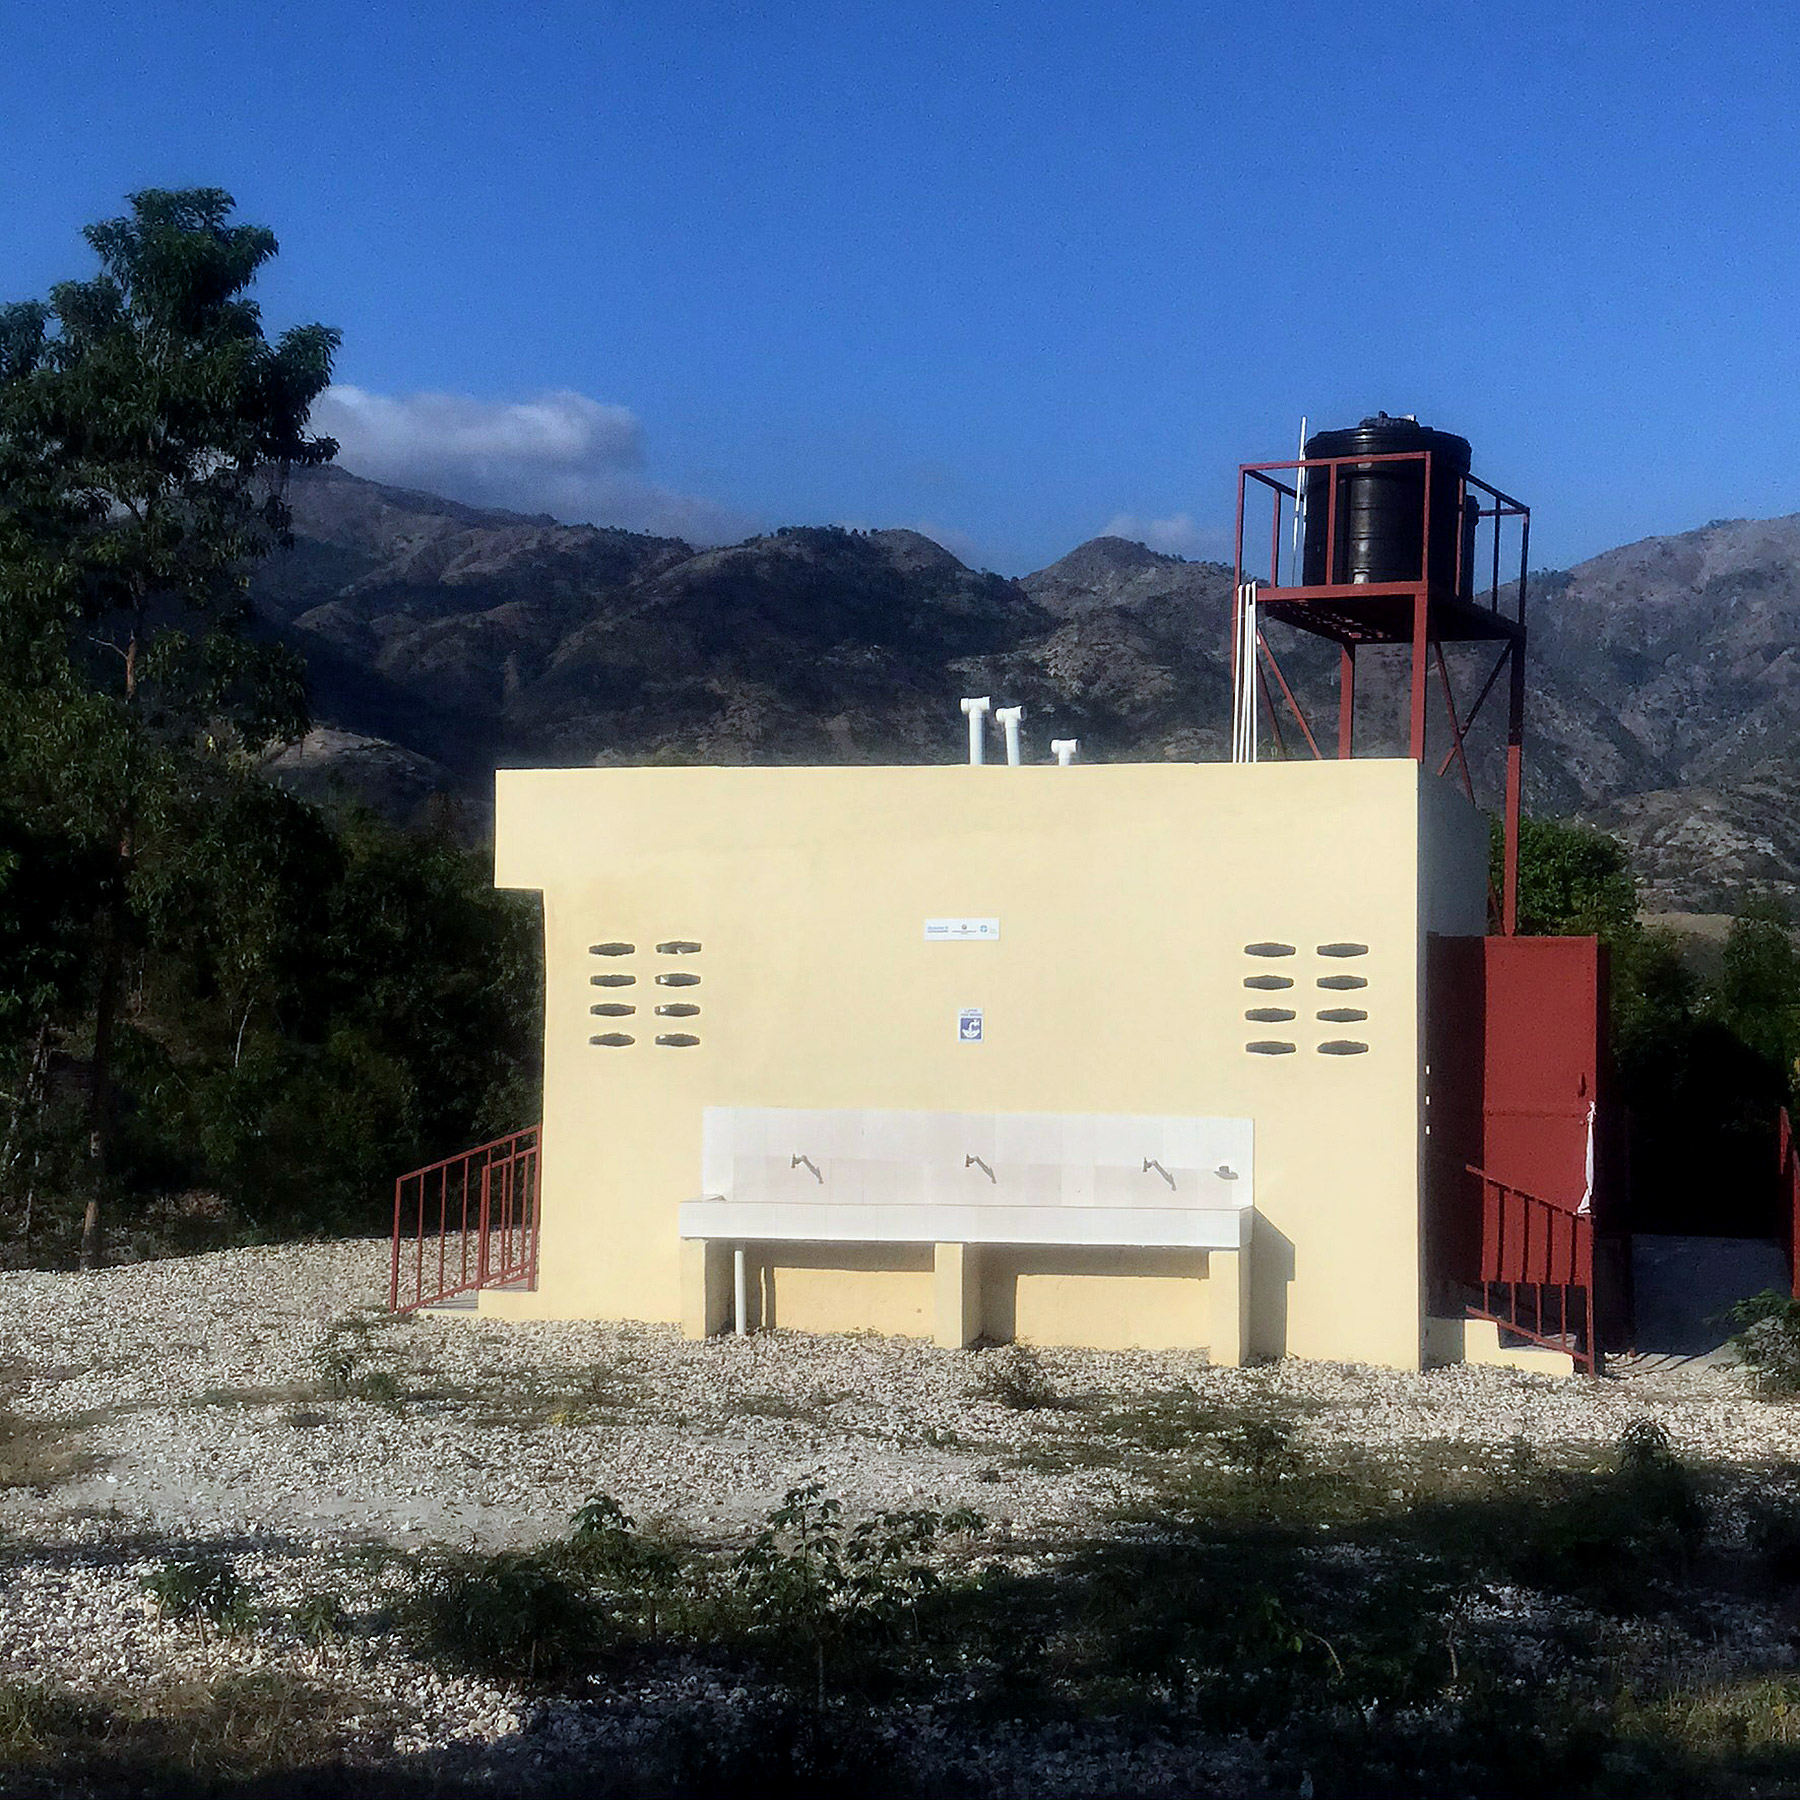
(956,1295)
(705,1287)
(1226,1303)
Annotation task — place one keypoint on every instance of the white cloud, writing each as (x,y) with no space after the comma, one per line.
(960,544)
(1179,536)
(558,452)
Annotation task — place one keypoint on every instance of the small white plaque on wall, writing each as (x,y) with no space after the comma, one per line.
(962,931)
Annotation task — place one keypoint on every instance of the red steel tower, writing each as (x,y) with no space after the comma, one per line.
(1376,536)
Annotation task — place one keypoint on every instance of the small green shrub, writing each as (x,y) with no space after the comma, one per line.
(1262,1445)
(342,1358)
(1013,1375)
(515,1616)
(1609,1537)
(644,1581)
(319,1618)
(203,1591)
(809,1584)
(1772,1533)
(1767,1342)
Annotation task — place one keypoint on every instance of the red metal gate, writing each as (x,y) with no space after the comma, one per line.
(468,1222)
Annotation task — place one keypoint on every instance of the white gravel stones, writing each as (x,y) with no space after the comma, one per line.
(197,1386)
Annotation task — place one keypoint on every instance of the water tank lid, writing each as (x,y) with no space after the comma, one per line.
(1384,433)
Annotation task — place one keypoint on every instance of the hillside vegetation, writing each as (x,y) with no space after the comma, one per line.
(233,1003)
(1664,699)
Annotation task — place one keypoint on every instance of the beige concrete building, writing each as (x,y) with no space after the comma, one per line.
(1103,1055)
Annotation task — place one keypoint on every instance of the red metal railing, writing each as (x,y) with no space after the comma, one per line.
(1789,1200)
(468,1222)
(1537,1270)
(1326,472)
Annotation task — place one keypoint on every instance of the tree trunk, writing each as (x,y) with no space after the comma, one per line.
(100,1098)
(100,1119)
(29,1091)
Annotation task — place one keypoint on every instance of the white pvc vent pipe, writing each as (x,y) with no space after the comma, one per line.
(1243,707)
(1007,718)
(1063,749)
(976,711)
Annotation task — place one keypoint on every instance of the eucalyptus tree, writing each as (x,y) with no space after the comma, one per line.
(146,427)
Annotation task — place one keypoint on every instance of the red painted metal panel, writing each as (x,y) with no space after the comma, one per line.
(1515,1052)
(1543,1050)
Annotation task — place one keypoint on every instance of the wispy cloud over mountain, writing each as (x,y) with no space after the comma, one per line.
(1178,536)
(559,452)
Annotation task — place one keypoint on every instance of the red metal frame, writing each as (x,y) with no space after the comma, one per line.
(1537,1270)
(485,1204)
(1421,613)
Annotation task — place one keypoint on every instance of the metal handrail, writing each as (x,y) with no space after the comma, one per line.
(1537,1269)
(496,1183)
(1504,507)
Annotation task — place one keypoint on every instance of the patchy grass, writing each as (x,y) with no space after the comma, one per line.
(284,1735)
(1301,1618)
(1014,1376)
(1491,1626)
(812,1406)
(35,1453)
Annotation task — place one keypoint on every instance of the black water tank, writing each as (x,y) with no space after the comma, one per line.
(1381,506)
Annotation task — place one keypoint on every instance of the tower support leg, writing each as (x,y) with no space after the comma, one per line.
(1515,785)
(1421,652)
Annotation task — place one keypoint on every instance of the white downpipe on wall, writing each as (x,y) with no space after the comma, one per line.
(740,1291)
(975,711)
(1007,718)
(1243,708)
(1063,749)
(1297,574)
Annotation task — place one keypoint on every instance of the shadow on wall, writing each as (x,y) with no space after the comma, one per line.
(835,1304)
(1271,1275)
(1110,1299)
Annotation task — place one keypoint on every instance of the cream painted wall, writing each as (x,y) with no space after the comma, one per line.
(1126,895)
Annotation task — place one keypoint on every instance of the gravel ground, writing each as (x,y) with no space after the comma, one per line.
(208,1393)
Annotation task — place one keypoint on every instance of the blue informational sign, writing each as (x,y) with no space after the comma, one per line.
(968,1025)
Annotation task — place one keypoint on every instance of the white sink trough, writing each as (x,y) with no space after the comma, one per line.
(785,1174)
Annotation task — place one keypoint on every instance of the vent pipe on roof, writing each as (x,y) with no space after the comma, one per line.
(1007,718)
(975,711)
(1063,749)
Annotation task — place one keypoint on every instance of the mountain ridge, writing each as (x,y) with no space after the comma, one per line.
(468,638)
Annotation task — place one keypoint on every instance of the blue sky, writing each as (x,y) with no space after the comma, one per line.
(1010,273)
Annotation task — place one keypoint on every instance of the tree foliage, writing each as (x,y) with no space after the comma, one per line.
(1702,1065)
(1574,881)
(204,984)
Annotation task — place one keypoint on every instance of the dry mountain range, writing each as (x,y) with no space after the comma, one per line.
(445,640)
